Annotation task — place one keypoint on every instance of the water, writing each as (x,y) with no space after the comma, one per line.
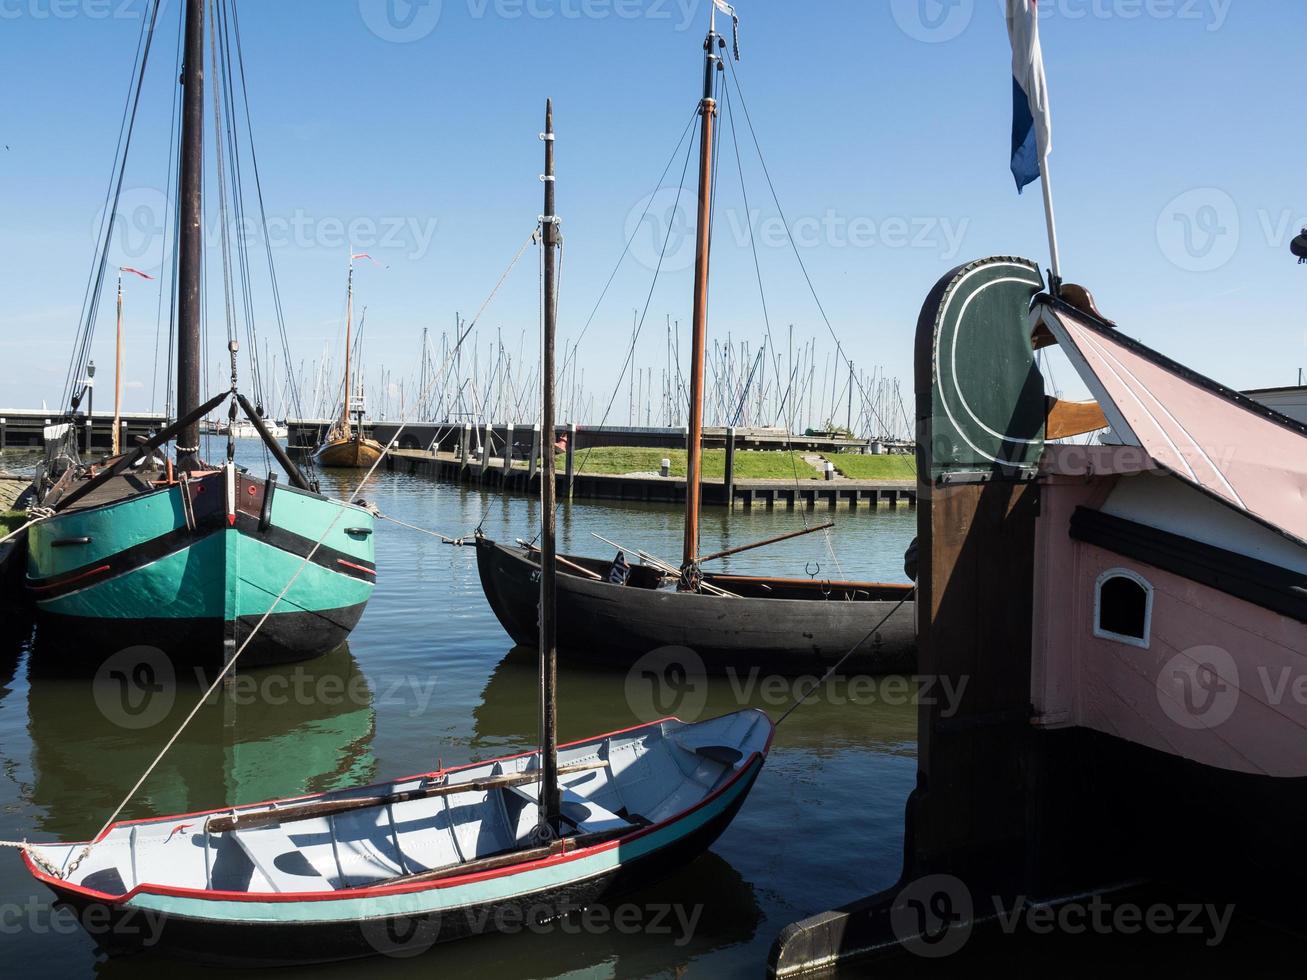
(430,677)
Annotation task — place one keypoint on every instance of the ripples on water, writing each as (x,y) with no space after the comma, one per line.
(429,676)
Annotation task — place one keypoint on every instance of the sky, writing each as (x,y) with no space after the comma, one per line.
(885,126)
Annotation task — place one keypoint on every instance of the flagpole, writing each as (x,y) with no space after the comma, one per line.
(1051,220)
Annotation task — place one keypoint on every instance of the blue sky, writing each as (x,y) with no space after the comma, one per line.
(886,125)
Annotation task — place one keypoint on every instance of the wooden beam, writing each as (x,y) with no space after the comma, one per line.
(1066,419)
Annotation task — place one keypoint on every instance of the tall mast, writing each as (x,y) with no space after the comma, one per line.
(118,376)
(550,241)
(345,429)
(190,243)
(694,462)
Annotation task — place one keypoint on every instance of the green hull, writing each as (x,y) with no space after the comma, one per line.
(191,569)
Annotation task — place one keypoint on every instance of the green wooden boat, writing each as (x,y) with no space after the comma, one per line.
(191,566)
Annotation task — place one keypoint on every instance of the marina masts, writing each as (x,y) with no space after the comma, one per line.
(190,260)
(694,447)
(345,427)
(550,805)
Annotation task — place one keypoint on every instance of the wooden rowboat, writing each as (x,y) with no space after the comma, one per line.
(404,865)
(353,452)
(790,626)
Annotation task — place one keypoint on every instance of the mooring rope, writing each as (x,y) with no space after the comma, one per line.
(35,516)
(37,859)
(840,663)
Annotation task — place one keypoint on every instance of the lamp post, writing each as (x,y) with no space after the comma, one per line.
(90,402)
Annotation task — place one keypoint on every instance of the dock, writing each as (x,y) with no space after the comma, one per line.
(520,477)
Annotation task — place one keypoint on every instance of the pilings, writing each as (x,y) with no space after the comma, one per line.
(496,472)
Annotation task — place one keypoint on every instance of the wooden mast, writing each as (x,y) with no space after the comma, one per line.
(190,243)
(345,429)
(118,376)
(694,460)
(550,240)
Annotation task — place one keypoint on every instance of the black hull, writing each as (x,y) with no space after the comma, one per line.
(615,626)
(277,944)
(285,638)
(1107,811)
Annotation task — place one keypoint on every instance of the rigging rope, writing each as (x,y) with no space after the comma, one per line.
(840,663)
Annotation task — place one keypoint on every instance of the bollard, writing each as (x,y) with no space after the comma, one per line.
(666,469)
(571,458)
(485,449)
(533,465)
(830,470)
(730,465)
(464,443)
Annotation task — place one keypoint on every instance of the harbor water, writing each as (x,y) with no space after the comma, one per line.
(430,678)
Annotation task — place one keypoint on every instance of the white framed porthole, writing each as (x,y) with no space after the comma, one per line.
(1123,608)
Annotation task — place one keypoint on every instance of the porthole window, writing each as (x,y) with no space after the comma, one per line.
(1123,607)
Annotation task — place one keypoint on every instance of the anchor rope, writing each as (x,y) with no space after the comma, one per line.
(37,859)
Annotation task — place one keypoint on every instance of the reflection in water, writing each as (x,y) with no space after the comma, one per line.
(876,713)
(266,734)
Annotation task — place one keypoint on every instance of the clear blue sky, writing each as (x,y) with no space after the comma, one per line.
(1178,167)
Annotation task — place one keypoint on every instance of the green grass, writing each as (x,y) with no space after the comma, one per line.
(620,460)
(875,467)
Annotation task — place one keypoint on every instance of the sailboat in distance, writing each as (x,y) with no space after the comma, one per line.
(346,445)
(613,613)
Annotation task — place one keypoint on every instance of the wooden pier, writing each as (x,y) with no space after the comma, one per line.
(519,476)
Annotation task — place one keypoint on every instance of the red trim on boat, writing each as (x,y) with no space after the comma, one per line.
(755,759)
(68,581)
(357,568)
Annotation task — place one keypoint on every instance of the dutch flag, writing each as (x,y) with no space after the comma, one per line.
(1032,122)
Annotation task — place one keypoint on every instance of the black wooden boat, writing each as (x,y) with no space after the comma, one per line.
(781,625)
(730,622)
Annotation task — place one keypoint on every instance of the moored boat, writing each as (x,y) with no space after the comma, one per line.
(186,558)
(434,858)
(615,613)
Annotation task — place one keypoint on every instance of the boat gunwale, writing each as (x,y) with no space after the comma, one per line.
(901,589)
(745,767)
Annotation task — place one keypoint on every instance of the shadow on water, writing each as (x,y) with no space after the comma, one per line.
(609,700)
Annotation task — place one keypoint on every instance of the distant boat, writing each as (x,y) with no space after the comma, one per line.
(616,613)
(188,558)
(247,430)
(346,445)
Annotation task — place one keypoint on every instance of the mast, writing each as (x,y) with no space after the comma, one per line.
(346,431)
(694,461)
(118,376)
(550,238)
(190,243)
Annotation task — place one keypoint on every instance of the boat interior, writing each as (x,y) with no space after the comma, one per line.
(610,786)
(643,576)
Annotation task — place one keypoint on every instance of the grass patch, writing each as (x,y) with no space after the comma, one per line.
(875,467)
(11,520)
(620,460)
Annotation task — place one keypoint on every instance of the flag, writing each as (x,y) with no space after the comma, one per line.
(1032,122)
(729,11)
(135,272)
